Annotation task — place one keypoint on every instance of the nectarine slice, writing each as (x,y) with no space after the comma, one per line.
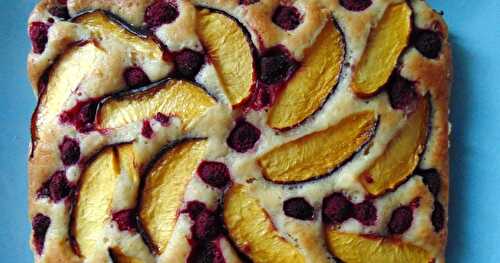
(354,248)
(401,155)
(176,97)
(252,230)
(316,78)
(92,211)
(164,188)
(318,153)
(101,26)
(385,44)
(230,51)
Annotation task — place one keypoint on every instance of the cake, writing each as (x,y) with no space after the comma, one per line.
(239,131)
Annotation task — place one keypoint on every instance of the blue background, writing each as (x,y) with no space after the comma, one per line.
(475,156)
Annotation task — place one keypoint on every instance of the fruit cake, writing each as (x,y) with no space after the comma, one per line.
(239,131)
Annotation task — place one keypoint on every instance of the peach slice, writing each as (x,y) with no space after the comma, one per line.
(231,52)
(401,155)
(318,153)
(92,211)
(354,248)
(103,26)
(313,82)
(175,97)
(163,191)
(385,44)
(252,230)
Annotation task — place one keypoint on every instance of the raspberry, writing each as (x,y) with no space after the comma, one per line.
(437,216)
(432,180)
(276,65)
(243,136)
(428,43)
(135,77)
(298,208)
(188,63)
(146,130)
(125,219)
(337,208)
(60,11)
(159,13)
(214,174)
(38,33)
(287,17)
(365,213)
(194,209)
(402,94)
(163,119)
(355,5)
(40,224)
(59,187)
(70,151)
(206,226)
(248,2)
(401,219)
(206,252)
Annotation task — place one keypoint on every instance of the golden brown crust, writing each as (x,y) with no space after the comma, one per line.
(431,76)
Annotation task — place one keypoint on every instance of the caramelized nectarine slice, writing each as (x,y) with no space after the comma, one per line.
(164,189)
(92,211)
(74,67)
(313,82)
(101,26)
(401,155)
(230,51)
(252,230)
(385,44)
(176,97)
(354,248)
(318,153)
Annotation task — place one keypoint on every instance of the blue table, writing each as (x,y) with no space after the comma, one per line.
(475,155)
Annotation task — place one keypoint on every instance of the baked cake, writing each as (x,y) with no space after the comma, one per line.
(239,131)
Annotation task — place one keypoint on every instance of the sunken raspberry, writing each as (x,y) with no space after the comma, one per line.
(402,94)
(135,77)
(70,151)
(437,216)
(206,252)
(243,136)
(82,115)
(59,187)
(160,12)
(146,130)
(365,213)
(163,119)
(401,219)
(125,219)
(214,174)
(38,33)
(298,208)
(287,17)
(206,226)
(337,208)
(248,2)
(188,63)
(432,180)
(428,43)
(60,11)
(40,224)
(355,5)
(194,209)
(276,65)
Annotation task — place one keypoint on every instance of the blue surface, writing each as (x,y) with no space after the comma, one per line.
(475,151)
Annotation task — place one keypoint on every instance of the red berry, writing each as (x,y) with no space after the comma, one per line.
(214,174)
(365,213)
(163,119)
(125,219)
(194,209)
(206,226)
(38,33)
(337,208)
(298,208)
(432,180)
(188,63)
(135,77)
(287,17)
(70,151)
(160,12)
(437,216)
(401,219)
(243,136)
(146,130)
(60,11)
(40,225)
(59,186)
(402,94)
(276,65)
(206,252)
(355,5)
(428,43)
(248,2)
